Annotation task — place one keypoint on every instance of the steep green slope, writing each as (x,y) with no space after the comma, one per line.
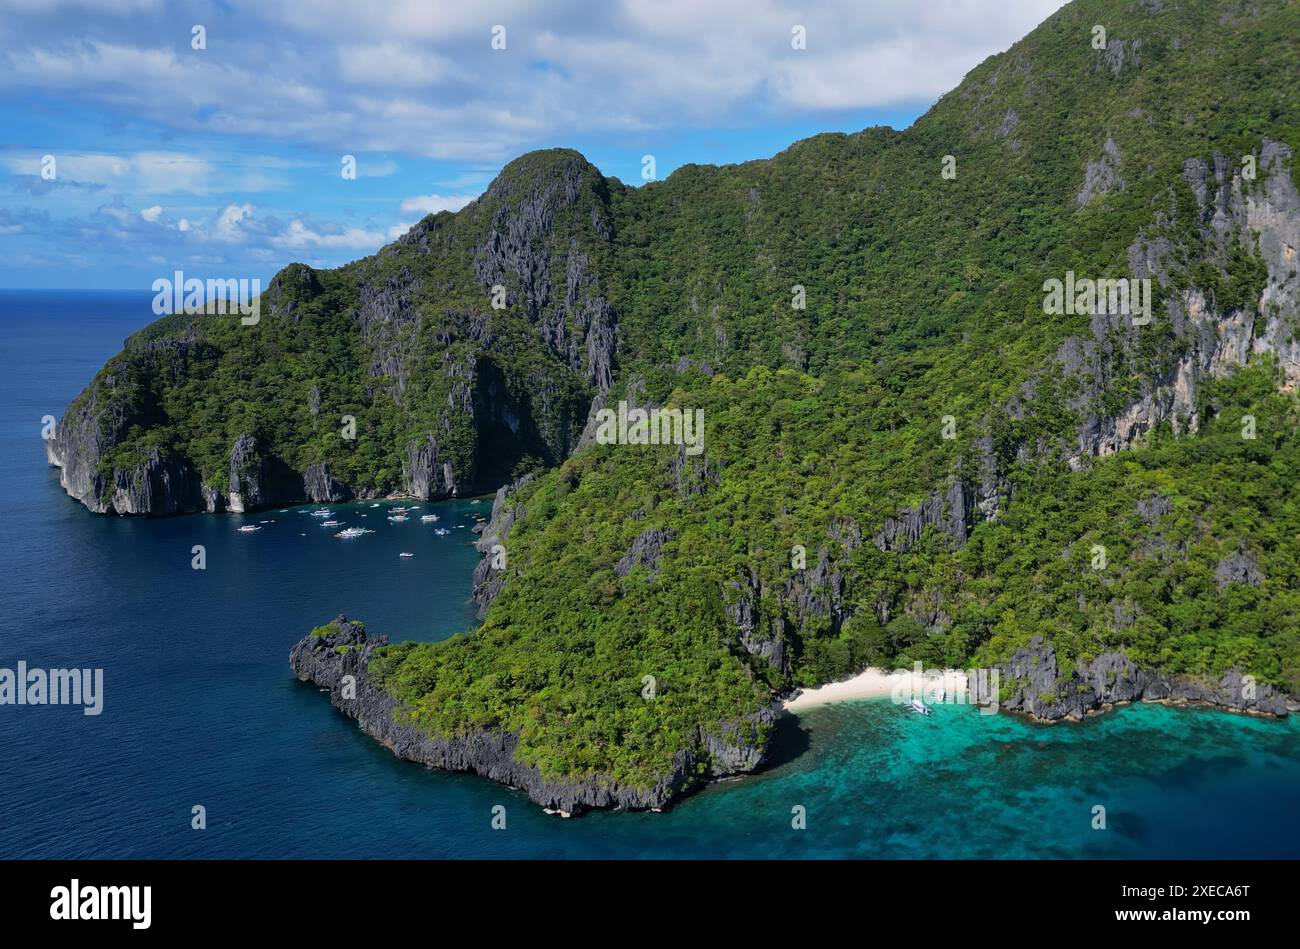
(925,300)
(918,464)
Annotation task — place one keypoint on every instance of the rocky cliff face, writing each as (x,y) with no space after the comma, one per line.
(339,659)
(953,513)
(1208,336)
(489,578)
(1033,682)
(415,344)
(1207,339)
(554,280)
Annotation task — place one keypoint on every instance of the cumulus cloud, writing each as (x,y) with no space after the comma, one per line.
(241,166)
(299,234)
(149,172)
(433,203)
(421,78)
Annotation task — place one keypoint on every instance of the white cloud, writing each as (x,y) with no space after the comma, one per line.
(420,78)
(119,214)
(391,64)
(433,203)
(348,238)
(150,172)
(152,214)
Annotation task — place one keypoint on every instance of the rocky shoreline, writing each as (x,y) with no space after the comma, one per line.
(337,659)
(1033,683)
(344,650)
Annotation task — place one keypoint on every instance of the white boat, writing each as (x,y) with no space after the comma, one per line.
(249,528)
(330,524)
(353,532)
(322,512)
(428,518)
(374,505)
(441,531)
(919,707)
(406,556)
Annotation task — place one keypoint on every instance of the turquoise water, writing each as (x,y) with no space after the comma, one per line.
(200,706)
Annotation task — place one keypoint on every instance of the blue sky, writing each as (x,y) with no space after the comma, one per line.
(225,161)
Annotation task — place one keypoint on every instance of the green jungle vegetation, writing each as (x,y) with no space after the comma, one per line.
(923,300)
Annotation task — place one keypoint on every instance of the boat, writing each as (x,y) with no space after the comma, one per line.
(919,707)
(398,518)
(353,532)
(406,555)
(428,518)
(397,510)
(249,528)
(321,512)
(441,531)
(330,524)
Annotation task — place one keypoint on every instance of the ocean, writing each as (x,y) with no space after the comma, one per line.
(200,708)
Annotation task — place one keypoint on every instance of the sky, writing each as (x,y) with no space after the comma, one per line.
(142,137)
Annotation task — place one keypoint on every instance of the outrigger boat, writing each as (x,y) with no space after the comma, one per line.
(920,707)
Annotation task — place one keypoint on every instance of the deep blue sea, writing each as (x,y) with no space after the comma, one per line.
(200,706)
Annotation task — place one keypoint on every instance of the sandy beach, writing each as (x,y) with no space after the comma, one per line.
(872,683)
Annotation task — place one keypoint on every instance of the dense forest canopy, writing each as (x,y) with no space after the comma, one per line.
(881,387)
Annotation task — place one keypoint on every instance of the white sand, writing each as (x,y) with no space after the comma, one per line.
(872,683)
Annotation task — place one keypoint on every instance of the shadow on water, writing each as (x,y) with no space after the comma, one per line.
(790,739)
